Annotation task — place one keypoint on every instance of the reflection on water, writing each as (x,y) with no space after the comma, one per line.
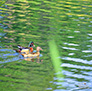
(70,24)
(33,59)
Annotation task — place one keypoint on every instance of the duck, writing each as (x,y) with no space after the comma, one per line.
(33,54)
(22,49)
(26,50)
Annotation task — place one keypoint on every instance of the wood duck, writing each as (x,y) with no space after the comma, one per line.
(26,49)
(34,54)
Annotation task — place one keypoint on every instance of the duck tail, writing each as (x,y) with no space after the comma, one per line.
(17,50)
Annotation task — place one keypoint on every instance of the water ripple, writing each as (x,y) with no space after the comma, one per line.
(76,66)
(87,51)
(90,40)
(77,31)
(69,48)
(90,34)
(77,60)
(4,55)
(88,55)
(70,36)
(71,44)
(87,73)
(72,74)
(6,50)
(71,53)
(88,45)
(10,60)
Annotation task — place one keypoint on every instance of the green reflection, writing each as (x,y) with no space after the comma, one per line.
(54,53)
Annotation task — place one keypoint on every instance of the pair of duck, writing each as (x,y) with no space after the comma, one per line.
(28,51)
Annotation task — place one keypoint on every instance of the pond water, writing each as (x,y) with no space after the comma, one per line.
(68,23)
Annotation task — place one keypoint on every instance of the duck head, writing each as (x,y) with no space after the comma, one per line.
(39,49)
(31,43)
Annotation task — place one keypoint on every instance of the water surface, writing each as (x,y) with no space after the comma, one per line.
(68,22)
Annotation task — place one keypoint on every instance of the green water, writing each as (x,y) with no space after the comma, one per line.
(68,23)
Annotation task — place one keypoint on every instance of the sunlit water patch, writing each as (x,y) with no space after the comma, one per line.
(77,60)
(71,54)
(77,31)
(76,66)
(70,36)
(69,48)
(90,34)
(71,44)
(87,51)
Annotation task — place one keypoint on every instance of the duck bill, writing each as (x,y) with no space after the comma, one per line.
(41,49)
